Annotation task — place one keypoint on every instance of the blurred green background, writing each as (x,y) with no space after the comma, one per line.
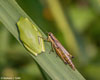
(80,36)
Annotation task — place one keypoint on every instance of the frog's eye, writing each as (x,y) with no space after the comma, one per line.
(30,36)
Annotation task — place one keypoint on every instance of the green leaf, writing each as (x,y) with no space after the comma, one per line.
(10,12)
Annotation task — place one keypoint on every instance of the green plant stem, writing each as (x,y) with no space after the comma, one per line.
(63,26)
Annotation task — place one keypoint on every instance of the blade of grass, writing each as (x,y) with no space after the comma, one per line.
(63,26)
(44,74)
(10,12)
